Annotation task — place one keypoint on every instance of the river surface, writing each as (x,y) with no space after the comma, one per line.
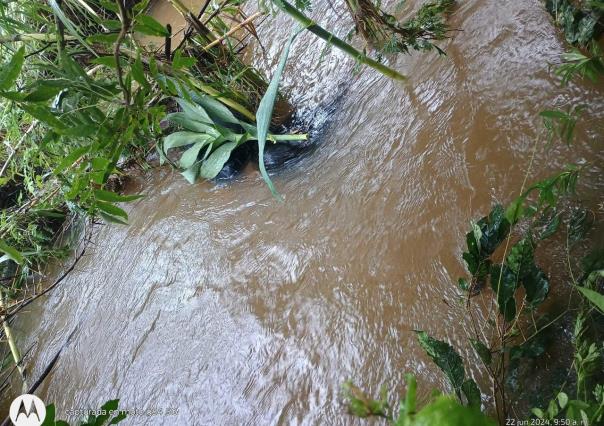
(232,308)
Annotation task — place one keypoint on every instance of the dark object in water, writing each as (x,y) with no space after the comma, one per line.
(276,155)
(236,163)
(280,154)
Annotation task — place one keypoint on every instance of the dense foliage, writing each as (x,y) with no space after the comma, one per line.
(500,258)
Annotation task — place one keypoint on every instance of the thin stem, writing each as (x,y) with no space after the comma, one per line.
(322,33)
(125,18)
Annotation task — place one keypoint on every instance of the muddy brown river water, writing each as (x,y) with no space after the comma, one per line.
(232,308)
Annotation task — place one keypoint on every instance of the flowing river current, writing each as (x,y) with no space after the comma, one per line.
(232,308)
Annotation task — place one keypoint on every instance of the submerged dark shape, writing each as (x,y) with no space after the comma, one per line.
(236,163)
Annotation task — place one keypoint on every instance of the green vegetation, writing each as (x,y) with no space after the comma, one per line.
(500,258)
(85,98)
(385,34)
(84,101)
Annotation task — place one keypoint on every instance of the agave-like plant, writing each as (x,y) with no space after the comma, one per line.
(211,133)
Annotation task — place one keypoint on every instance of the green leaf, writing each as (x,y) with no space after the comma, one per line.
(445,357)
(194,112)
(99,164)
(10,71)
(148,25)
(361,405)
(190,155)
(12,253)
(112,197)
(265,112)
(181,119)
(44,114)
(536,286)
(192,172)
(138,73)
(111,209)
(446,411)
(178,139)
(215,162)
(49,420)
(71,158)
(594,297)
(562,400)
(108,61)
(69,25)
(42,91)
(504,283)
(482,350)
(579,224)
(217,111)
(472,393)
(520,259)
(178,61)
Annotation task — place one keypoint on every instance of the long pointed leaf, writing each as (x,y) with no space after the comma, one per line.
(69,25)
(265,112)
(10,71)
(215,162)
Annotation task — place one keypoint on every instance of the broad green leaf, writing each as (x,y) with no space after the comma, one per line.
(445,357)
(215,162)
(550,226)
(194,112)
(592,278)
(579,224)
(265,113)
(192,172)
(504,283)
(520,259)
(111,209)
(482,350)
(554,114)
(216,110)
(178,139)
(71,158)
(472,393)
(536,286)
(138,73)
(113,219)
(494,229)
(11,253)
(99,164)
(10,71)
(112,197)
(13,96)
(446,411)
(44,114)
(148,25)
(108,61)
(182,120)
(49,420)
(190,155)
(562,400)
(594,297)
(179,61)
(41,91)
(515,210)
